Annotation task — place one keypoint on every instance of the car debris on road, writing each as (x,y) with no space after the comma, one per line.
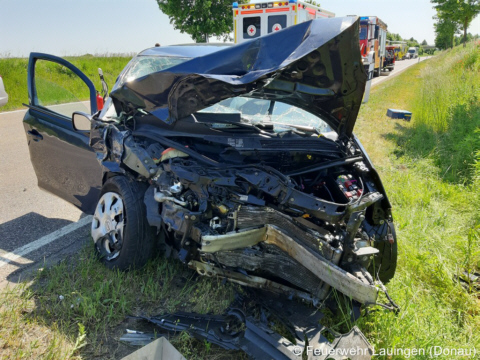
(251,324)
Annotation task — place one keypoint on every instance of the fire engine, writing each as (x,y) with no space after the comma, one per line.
(254,20)
(373,39)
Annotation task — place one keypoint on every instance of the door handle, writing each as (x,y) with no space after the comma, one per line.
(35,135)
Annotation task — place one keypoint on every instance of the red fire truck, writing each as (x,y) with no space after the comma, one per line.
(389,62)
(253,20)
(373,39)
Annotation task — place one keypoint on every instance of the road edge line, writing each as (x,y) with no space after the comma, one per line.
(7,258)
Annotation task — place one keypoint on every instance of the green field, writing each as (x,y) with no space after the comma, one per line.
(431,170)
(14,74)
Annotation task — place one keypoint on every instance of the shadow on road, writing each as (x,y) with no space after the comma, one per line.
(27,228)
(17,261)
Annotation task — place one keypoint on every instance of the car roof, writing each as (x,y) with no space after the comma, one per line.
(186,50)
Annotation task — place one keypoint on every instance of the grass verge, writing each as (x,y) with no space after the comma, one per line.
(82,306)
(428,170)
(431,170)
(14,74)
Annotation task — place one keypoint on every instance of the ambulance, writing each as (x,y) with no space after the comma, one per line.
(254,20)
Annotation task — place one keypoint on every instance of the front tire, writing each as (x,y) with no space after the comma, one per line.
(385,262)
(123,239)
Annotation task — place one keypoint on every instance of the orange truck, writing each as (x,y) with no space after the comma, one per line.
(373,40)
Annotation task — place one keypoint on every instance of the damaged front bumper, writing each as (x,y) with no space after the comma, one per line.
(252,225)
(328,271)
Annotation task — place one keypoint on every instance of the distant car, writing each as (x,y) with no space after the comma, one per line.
(3,93)
(240,161)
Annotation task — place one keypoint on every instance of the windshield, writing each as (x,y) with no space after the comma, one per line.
(363,32)
(411,51)
(144,65)
(259,111)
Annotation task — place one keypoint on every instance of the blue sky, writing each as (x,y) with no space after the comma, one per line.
(75,27)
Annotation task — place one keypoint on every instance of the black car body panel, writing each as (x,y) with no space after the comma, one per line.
(315,65)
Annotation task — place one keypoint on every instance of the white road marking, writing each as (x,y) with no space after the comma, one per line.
(48,106)
(11,112)
(37,244)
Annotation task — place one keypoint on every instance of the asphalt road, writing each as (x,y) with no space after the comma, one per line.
(35,226)
(28,214)
(400,66)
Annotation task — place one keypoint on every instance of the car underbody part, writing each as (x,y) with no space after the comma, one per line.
(249,325)
(470,281)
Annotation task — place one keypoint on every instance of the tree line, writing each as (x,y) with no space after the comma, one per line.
(202,19)
(453,18)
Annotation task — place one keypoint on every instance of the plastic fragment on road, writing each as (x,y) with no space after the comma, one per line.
(399,114)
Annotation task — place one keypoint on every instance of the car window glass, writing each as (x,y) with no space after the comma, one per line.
(288,114)
(59,89)
(251,27)
(257,111)
(276,23)
(144,65)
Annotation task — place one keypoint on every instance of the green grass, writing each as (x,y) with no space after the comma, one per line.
(428,170)
(66,87)
(431,170)
(80,302)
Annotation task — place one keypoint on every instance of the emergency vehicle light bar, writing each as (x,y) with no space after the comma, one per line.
(263,6)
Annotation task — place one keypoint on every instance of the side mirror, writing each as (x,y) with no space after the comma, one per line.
(81,121)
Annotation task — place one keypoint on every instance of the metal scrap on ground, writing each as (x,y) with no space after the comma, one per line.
(249,325)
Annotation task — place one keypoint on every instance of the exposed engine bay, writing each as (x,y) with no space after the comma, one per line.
(303,214)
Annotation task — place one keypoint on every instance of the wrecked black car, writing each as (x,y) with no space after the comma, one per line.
(238,160)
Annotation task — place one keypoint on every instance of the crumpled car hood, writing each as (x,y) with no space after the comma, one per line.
(315,65)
